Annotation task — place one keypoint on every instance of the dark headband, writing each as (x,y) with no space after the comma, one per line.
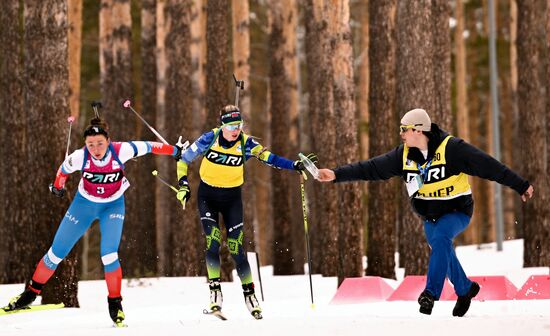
(95,130)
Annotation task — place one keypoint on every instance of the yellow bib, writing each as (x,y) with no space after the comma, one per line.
(223,167)
(437,184)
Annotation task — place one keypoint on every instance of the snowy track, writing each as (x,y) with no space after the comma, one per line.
(173,306)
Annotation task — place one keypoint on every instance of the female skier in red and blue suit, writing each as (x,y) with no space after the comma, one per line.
(100,196)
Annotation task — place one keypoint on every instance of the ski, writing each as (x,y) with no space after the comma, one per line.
(218,313)
(7,311)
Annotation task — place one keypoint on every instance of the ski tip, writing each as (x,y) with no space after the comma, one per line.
(215,312)
(9,310)
(120,325)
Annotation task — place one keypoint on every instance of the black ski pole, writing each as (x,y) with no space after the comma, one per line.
(304,210)
(240,86)
(95,106)
(259,275)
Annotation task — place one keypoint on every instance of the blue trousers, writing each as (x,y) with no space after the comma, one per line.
(443,260)
(76,222)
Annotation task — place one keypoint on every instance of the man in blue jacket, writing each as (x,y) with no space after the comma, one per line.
(435,167)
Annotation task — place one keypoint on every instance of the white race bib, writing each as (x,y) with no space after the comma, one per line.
(414,184)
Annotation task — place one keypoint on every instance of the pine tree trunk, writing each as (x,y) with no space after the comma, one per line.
(47,105)
(350,229)
(548,99)
(75,51)
(475,95)
(416,67)
(280,125)
(143,166)
(487,230)
(319,19)
(217,79)
(463,129)
(16,263)
(381,235)
(75,9)
(184,226)
(313,61)
(198,85)
(91,266)
(532,70)
(163,195)
(260,127)
(138,241)
(217,76)
(146,208)
(462,114)
(241,51)
(363,100)
(241,69)
(198,59)
(463,120)
(291,64)
(506,125)
(441,58)
(515,150)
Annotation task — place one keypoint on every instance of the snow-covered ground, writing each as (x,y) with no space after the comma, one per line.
(173,306)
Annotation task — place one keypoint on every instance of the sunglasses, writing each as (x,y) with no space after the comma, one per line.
(233,127)
(405,128)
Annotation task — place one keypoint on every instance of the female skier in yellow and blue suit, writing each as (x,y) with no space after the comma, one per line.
(225,149)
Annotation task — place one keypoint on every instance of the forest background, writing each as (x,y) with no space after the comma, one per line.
(328,76)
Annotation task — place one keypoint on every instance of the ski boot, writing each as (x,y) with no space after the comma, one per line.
(116,312)
(463,302)
(251,301)
(26,298)
(426,302)
(21,301)
(216,297)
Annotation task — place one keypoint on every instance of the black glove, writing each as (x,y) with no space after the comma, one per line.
(179,150)
(299,165)
(184,193)
(57,192)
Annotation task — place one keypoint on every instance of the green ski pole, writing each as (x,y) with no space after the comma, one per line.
(304,210)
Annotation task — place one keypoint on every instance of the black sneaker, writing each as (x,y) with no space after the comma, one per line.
(463,302)
(115,309)
(426,302)
(23,300)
